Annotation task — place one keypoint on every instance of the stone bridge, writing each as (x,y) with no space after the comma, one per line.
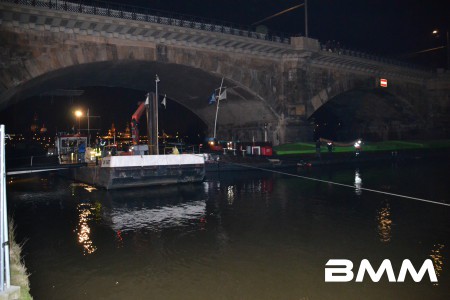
(273,83)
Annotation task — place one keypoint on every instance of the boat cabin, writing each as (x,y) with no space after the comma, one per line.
(67,147)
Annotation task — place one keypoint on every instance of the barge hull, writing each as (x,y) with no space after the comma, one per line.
(127,172)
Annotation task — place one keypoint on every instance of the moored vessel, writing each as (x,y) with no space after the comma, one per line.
(142,165)
(115,172)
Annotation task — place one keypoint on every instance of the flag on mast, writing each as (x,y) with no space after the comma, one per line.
(223,95)
(163,102)
(212,98)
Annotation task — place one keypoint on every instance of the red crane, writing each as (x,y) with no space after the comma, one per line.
(135,122)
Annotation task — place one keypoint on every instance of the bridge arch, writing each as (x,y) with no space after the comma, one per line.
(372,114)
(187,77)
(327,93)
(277,83)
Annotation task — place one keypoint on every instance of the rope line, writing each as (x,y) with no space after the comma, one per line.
(342,184)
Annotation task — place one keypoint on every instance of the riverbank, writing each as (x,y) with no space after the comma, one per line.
(385,146)
(19,274)
(305,155)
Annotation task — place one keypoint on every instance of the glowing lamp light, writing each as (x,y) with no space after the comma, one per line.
(78,113)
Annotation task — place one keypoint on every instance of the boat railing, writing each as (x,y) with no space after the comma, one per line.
(32,161)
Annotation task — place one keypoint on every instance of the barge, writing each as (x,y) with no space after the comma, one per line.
(116,172)
(144,167)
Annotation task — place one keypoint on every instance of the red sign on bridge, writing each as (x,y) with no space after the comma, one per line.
(383,82)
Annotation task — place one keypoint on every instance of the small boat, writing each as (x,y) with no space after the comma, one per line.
(303,164)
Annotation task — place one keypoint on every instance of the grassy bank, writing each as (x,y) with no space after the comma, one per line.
(19,274)
(309,148)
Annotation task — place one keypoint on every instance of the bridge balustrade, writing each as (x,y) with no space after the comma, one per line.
(129,12)
(354,53)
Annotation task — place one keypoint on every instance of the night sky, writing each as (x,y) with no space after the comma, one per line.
(392,28)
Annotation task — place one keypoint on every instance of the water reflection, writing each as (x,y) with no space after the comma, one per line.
(128,218)
(258,186)
(119,239)
(76,185)
(358,183)
(384,223)
(231,194)
(154,208)
(85,213)
(159,208)
(187,241)
(438,260)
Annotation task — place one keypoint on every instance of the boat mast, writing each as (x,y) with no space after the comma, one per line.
(217,108)
(151,106)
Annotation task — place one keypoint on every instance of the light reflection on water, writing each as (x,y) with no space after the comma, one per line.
(230,194)
(384,223)
(438,260)
(235,236)
(358,183)
(83,229)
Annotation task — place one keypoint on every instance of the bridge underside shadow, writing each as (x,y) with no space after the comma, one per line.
(368,114)
(190,87)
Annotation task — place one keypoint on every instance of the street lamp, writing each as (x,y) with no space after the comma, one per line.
(78,114)
(436,33)
(288,10)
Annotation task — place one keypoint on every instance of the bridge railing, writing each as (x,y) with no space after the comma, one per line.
(386,60)
(129,12)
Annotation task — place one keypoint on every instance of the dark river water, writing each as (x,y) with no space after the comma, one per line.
(240,235)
